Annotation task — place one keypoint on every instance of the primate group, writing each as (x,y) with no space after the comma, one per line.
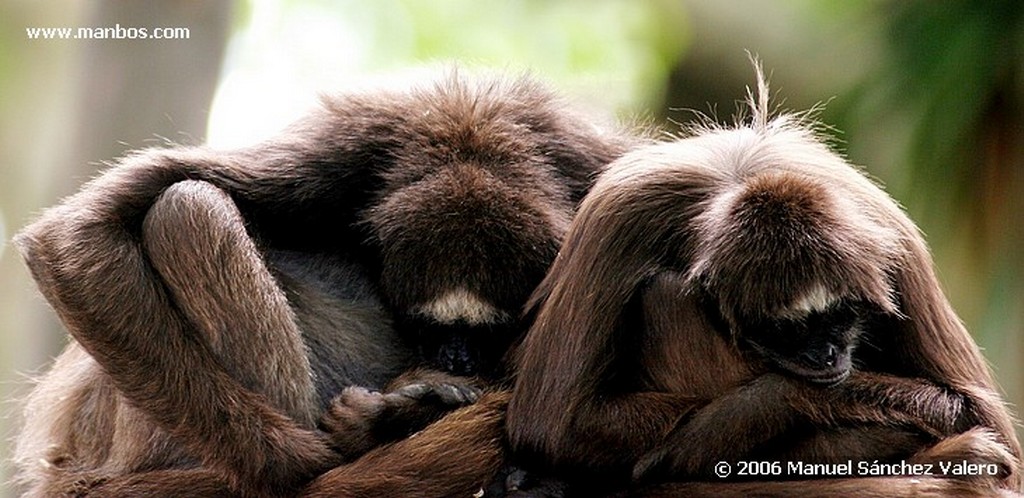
(468,288)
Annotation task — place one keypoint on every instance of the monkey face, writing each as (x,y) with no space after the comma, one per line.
(462,348)
(816,346)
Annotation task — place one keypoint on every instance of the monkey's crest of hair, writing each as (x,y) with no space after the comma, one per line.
(778,217)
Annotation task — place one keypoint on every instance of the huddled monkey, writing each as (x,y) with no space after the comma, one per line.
(744,293)
(361,273)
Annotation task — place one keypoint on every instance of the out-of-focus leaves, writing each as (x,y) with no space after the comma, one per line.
(954,78)
(948,68)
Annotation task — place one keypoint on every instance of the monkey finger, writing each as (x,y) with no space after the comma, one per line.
(458,394)
(415,391)
(360,399)
(443,394)
(462,394)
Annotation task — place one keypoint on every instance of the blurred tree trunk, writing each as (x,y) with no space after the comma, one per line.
(90,101)
(137,93)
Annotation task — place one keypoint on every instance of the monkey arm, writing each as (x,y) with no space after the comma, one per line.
(607,434)
(91,257)
(728,428)
(455,456)
(875,398)
(749,417)
(960,419)
(156,348)
(142,316)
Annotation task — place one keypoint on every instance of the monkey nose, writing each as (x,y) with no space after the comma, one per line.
(826,357)
(831,356)
(456,358)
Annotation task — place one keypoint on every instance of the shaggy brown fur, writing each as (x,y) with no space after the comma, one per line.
(457,456)
(642,349)
(220,300)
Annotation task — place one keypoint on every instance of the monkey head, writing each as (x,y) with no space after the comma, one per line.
(462,248)
(472,214)
(795,268)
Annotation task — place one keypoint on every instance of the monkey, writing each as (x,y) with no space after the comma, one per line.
(223,304)
(745,293)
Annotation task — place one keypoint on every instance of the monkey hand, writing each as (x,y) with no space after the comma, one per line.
(350,420)
(420,396)
(447,395)
(412,407)
(360,419)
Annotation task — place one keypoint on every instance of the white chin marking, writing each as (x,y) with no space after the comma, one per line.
(815,299)
(461,305)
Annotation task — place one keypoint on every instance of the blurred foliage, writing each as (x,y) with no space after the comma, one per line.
(952,73)
(951,66)
(611,54)
(636,41)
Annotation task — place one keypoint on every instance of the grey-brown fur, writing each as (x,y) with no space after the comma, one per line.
(218,300)
(636,362)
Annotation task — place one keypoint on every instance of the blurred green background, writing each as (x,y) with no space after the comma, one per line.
(928,96)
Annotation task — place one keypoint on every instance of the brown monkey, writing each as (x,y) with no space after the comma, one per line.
(745,293)
(219,300)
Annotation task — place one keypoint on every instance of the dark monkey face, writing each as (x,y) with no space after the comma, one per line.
(817,346)
(463,348)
